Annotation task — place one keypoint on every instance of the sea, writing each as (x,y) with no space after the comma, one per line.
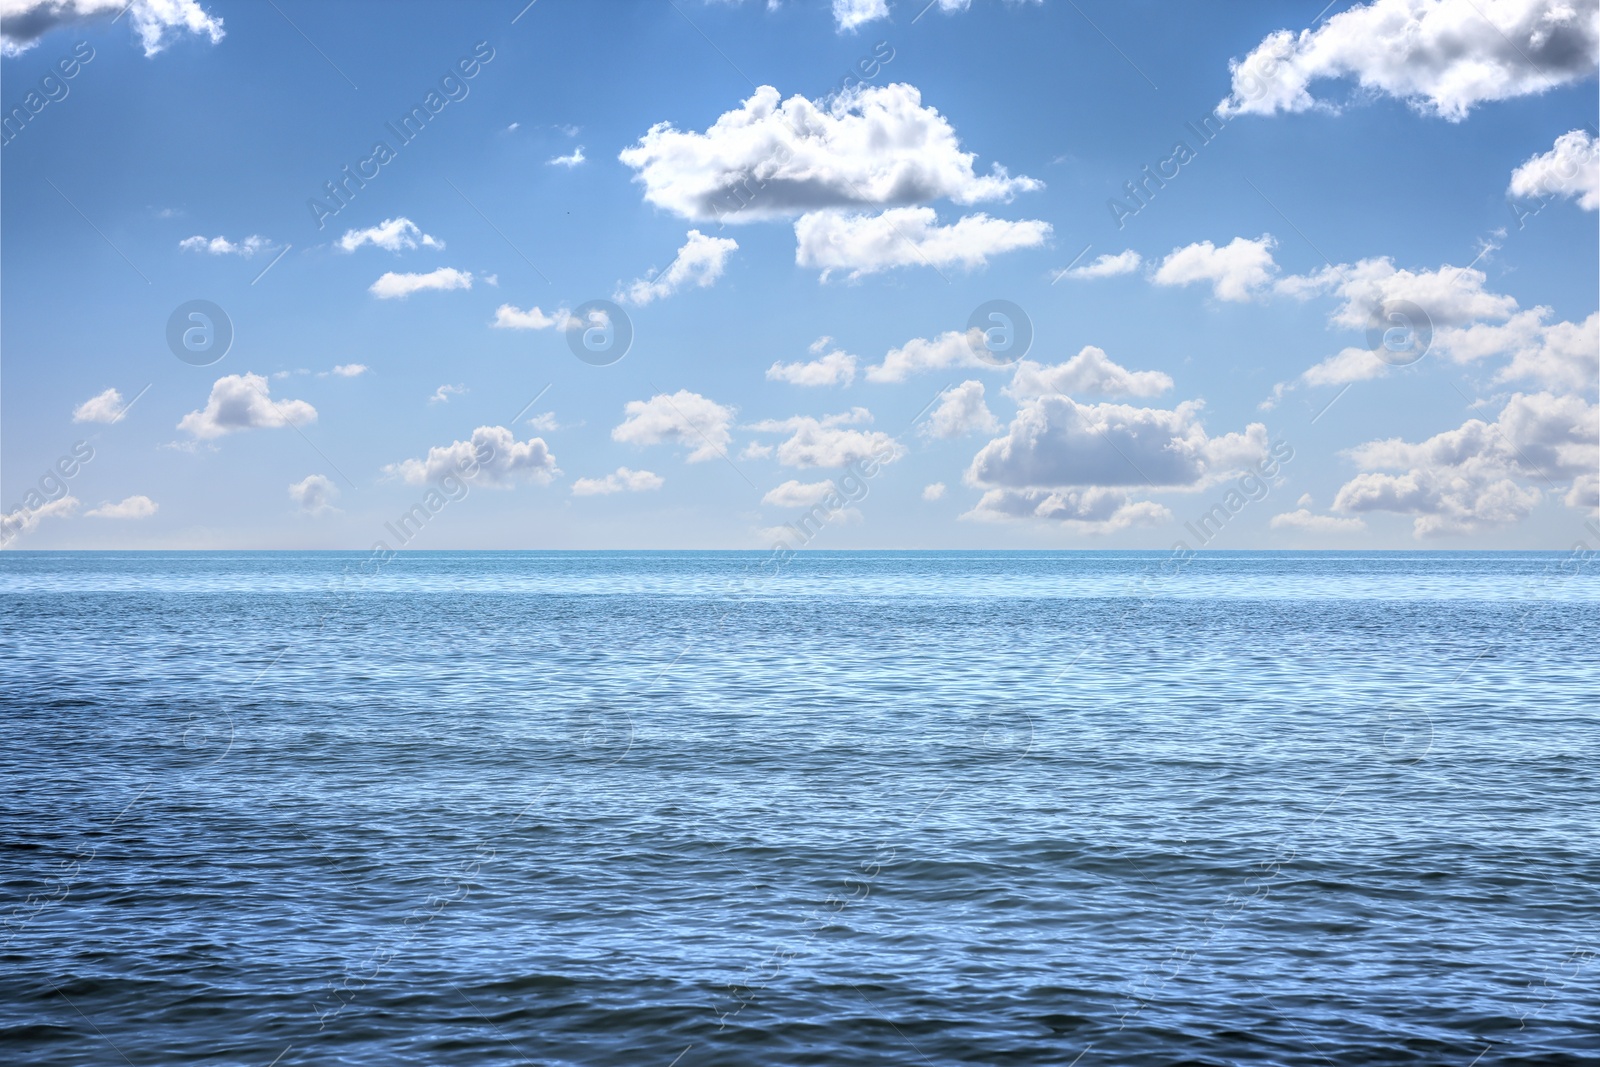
(682,809)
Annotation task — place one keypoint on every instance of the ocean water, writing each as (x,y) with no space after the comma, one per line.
(861,808)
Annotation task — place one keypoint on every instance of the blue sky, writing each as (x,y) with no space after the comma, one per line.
(799,267)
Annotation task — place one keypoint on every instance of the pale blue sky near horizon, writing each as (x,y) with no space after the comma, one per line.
(230,138)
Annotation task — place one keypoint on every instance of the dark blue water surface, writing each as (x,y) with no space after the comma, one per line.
(860,808)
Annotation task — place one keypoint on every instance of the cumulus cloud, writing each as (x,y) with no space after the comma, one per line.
(221,246)
(1106,266)
(622,480)
(849,15)
(157,22)
(683,418)
(393,285)
(392,235)
(1307,522)
(700,261)
(1450,296)
(933,491)
(443,394)
(837,367)
(876,146)
(1090,371)
(493,457)
(243,402)
(1054,442)
(1472,477)
(950,349)
(1238,271)
(1558,355)
(962,411)
(314,494)
(102,407)
(350,370)
(906,237)
(1092,510)
(1570,168)
(510,317)
(570,160)
(1443,57)
(18,522)
(133,507)
(797,494)
(826,442)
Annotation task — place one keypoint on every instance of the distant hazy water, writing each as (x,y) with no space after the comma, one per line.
(876,808)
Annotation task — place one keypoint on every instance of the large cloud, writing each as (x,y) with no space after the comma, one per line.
(1443,57)
(1054,443)
(700,262)
(772,158)
(157,22)
(906,237)
(243,402)
(684,418)
(493,457)
(1570,168)
(1471,477)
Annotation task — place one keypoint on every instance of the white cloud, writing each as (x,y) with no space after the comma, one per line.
(1307,522)
(350,370)
(1570,168)
(1090,371)
(1106,266)
(443,394)
(796,494)
(243,402)
(1450,296)
(683,418)
(700,260)
(1443,57)
(849,15)
(493,457)
(392,235)
(15,523)
(933,491)
(1092,510)
(837,367)
(157,22)
(102,407)
(876,146)
(314,494)
(1238,271)
(1469,478)
(961,412)
(906,237)
(510,317)
(221,246)
(826,443)
(133,507)
(570,160)
(949,349)
(393,285)
(1560,355)
(622,480)
(1054,443)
